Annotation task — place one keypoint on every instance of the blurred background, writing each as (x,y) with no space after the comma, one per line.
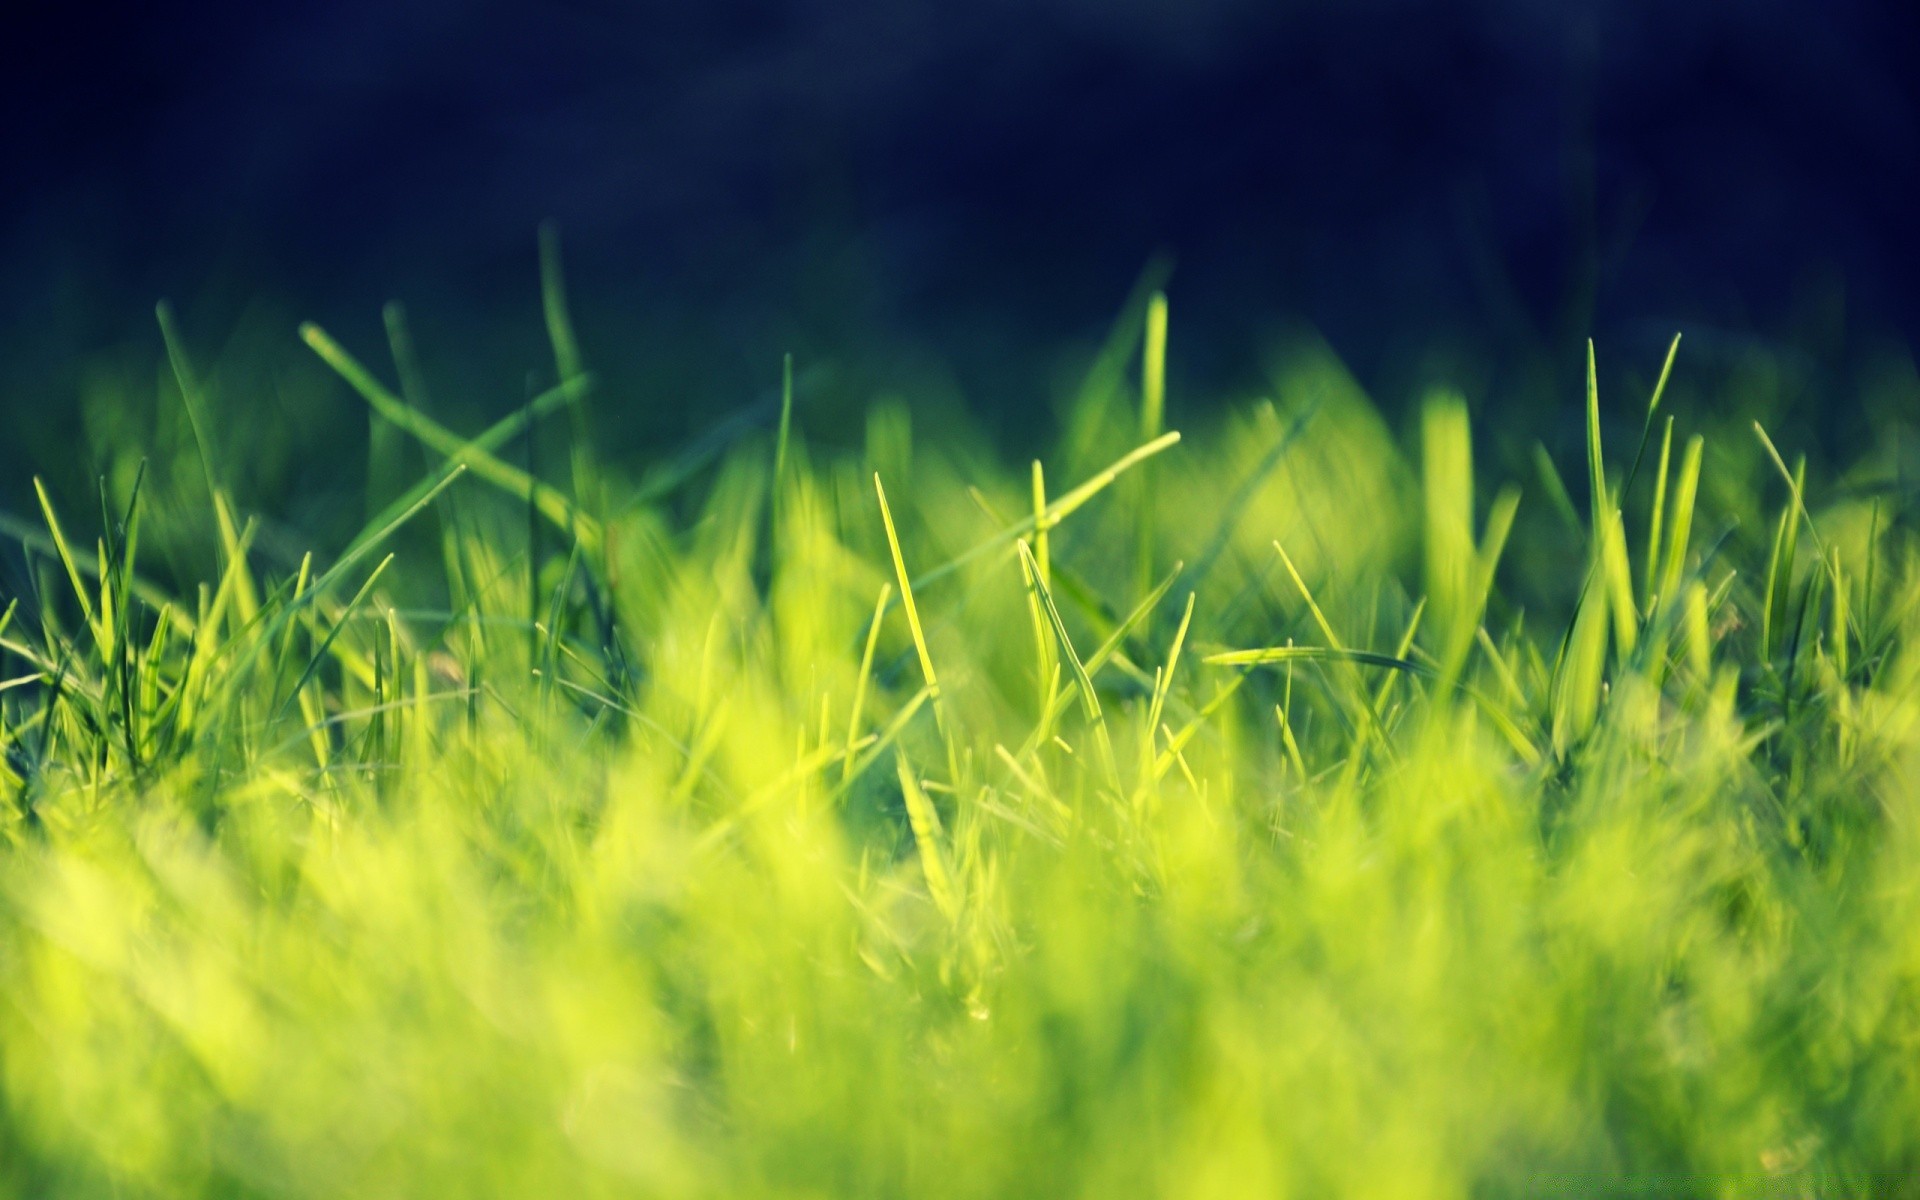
(949,202)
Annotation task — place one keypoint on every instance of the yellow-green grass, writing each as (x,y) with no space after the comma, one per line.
(862,821)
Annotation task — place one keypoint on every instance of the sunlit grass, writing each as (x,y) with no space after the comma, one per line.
(1268,811)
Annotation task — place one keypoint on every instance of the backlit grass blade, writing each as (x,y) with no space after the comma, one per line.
(1796,484)
(865,676)
(1580,676)
(1598,501)
(1164,683)
(1607,531)
(1088,698)
(1656,518)
(553,306)
(1153,417)
(1447,482)
(551,504)
(406,359)
(37,538)
(1653,409)
(1041,527)
(947,733)
(1384,692)
(190,398)
(1617,573)
(1046,659)
(296,604)
(326,643)
(246,596)
(1681,529)
(1228,523)
(1180,740)
(889,735)
(1486,561)
(65,554)
(1106,373)
(906,591)
(384,527)
(925,822)
(1153,370)
(1306,593)
(786,425)
(1354,700)
(1056,512)
(1271,655)
(588,492)
(1556,489)
(1295,758)
(1777,599)
(1109,650)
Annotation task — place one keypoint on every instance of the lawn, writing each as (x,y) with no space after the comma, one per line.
(1280,806)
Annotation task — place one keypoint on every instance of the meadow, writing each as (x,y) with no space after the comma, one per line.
(1279,806)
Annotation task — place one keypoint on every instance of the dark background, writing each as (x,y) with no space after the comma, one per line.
(958,192)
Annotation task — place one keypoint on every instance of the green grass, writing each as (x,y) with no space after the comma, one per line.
(1278,810)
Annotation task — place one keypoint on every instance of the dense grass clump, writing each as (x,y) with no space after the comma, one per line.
(1274,812)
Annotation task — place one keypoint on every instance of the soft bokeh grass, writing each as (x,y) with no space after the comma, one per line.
(605,845)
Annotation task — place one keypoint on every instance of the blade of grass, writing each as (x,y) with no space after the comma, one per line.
(1270,655)
(918,631)
(320,653)
(1655,519)
(925,822)
(864,678)
(1681,529)
(189,385)
(1153,412)
(556,508)
(1056,512)
(65,554)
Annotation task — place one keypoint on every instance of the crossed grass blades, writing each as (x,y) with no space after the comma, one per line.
(877,822)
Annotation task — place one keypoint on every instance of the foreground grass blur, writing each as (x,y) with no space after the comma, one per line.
(1273,812)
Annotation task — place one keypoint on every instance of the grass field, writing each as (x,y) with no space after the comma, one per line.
(1285,809)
